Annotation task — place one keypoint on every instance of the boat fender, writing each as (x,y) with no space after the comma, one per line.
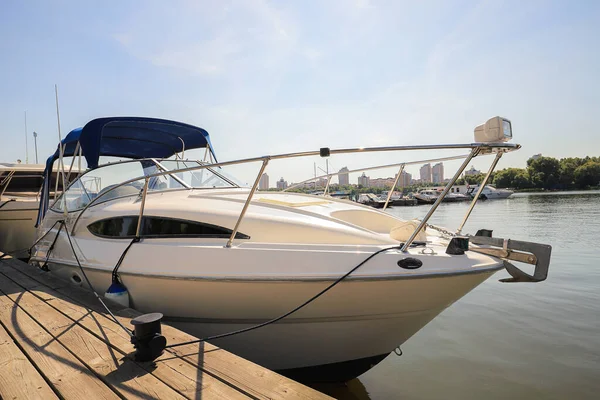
(410,263)
(118,293)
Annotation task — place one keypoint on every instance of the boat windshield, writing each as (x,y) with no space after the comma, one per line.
(105,181)
(201,178)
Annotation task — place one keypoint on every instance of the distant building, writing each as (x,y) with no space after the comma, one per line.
(343,177)
(263,184)
(425,173)
(321,182)
(281,184)
(405,179)
(364,180)
(381,182)
(437,173)
(472,171)
(536,156)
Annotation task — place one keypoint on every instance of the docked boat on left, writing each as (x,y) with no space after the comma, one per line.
(20,186)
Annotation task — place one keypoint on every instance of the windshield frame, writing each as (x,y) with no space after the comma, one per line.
(159,165)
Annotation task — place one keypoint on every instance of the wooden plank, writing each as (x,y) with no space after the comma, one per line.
(65,373)
(249,377)
(18,377)
(122,374)
(183,377)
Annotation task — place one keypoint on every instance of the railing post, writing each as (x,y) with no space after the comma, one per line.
(254,187)
(6,182)
(389,196)
(481,186)
(144,193)
(440,198)
(327,186)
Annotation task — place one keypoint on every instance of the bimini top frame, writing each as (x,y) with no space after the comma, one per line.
(128,137)
(476,149)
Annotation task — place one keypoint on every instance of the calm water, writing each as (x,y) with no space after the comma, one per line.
(517,341)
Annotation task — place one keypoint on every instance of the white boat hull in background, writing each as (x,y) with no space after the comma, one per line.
(17,226)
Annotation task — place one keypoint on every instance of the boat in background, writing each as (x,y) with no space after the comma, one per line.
(490,192)
(427,196)
(397,199)
(456,197)
(369,199)
(20,186)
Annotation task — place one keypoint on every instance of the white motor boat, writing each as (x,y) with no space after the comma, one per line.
(489,192)
(214,256)
(369,199)
(427,196)
(20,186)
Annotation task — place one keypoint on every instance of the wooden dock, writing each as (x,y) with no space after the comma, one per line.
(56,341)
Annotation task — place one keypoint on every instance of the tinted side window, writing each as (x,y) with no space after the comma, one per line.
(115,227)
(158,227)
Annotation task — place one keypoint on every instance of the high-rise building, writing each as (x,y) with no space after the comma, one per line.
(364,180)
(343,176)
(405,179)
(425,173)
(281,184)
(437,173)
(263,184)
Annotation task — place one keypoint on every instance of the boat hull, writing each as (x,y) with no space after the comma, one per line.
(423,200)
(17,227)
(345,332)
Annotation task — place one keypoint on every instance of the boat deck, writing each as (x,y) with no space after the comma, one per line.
(56,341)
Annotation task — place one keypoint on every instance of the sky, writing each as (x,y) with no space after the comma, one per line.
(276,77)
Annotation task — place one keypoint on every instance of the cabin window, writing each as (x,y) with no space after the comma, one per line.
(122,227)
(158,227)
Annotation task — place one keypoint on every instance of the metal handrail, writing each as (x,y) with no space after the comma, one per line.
(6,181)
(247,203)
(476,149)
(435,205)
(389,196)
(450,158)
(481,186)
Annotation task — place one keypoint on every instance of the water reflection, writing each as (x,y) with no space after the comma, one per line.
(518,341)
(351,390)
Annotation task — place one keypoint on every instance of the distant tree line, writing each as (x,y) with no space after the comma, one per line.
(548,173)
(542,173)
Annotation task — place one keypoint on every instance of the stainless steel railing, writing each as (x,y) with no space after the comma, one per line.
(476,149)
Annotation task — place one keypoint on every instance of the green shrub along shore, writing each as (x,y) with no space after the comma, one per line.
(547,173)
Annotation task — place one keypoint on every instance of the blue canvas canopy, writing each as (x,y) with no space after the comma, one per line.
(128,137)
